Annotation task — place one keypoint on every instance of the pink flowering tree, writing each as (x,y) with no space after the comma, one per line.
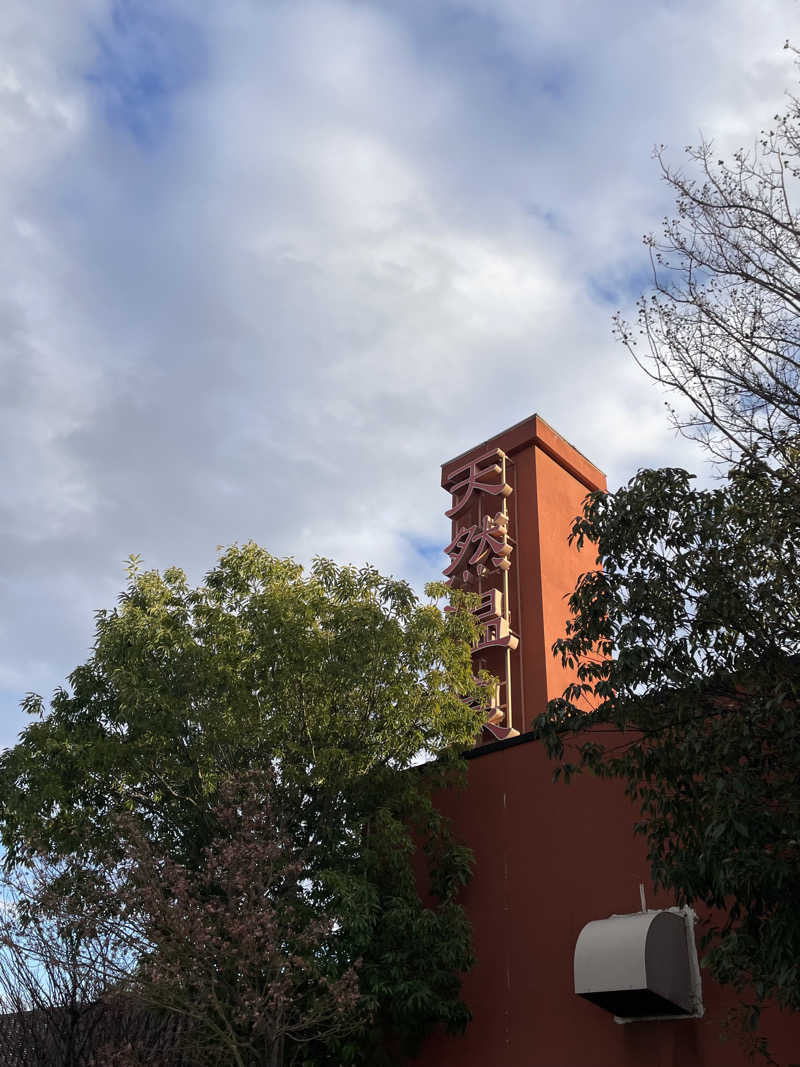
(234,948)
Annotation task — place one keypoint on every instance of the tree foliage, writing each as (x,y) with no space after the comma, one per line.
(236,949)
(334,682)
(686,639)
(686,649)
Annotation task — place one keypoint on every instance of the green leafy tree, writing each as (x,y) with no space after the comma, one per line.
(686,639)
(686,648)
(336,681)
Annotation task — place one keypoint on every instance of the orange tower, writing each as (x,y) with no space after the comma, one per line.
(513,501)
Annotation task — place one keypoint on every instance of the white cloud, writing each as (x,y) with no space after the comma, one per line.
(267,265)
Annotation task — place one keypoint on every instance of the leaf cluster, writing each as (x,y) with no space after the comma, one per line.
(335,682)
(686,648)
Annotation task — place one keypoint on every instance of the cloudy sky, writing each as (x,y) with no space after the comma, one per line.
(265,265)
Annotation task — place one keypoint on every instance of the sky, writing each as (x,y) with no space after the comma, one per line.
(266,265)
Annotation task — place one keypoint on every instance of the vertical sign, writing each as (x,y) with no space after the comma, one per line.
(481,557)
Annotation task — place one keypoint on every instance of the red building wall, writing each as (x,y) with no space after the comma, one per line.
(550,858)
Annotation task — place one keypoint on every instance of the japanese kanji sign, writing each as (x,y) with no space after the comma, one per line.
(480,555)
(480,476)
(476,549)
(495,630)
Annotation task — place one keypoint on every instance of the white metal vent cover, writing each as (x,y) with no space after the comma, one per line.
(640,966)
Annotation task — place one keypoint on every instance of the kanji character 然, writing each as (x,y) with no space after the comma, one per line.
(459,550)
(491,537)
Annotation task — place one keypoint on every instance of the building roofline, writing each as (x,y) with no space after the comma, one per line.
(534,431)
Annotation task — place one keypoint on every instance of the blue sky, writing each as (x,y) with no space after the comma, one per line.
(267,264)
(144,55)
